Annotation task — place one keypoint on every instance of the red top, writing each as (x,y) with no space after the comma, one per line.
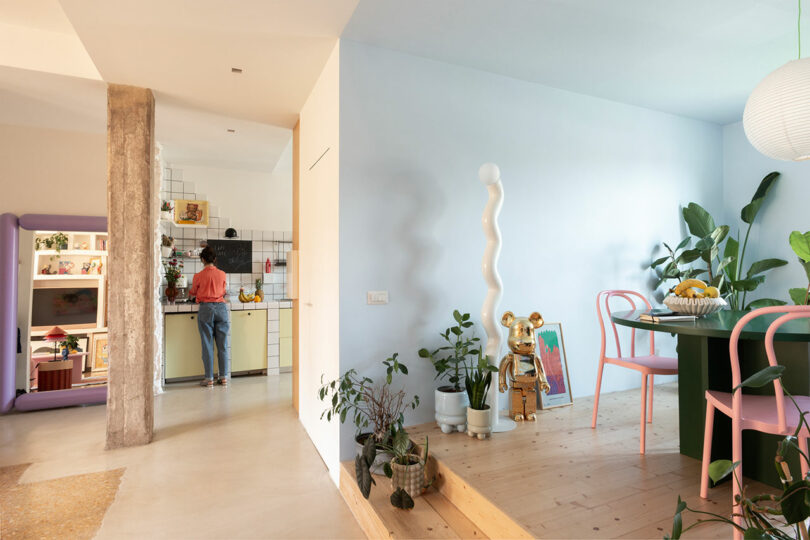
(209,285)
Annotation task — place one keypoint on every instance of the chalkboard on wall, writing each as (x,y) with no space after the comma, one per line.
(233,256)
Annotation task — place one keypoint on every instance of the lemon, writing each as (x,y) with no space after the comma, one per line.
(711,292)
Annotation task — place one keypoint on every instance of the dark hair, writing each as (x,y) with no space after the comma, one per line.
(208,256)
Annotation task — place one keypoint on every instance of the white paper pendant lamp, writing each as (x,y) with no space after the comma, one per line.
(777,115)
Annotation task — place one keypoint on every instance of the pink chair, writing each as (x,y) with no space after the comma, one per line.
(648,366)
(767,414)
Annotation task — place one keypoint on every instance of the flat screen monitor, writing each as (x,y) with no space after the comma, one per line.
(64,306)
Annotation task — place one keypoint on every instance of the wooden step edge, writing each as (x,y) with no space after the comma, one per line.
(363,511)
(493,522)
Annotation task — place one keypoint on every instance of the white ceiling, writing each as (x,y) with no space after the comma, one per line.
(694,58)
(185,49)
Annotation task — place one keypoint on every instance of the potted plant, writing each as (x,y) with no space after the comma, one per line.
(374,408)
(166,211)
(166,246)
(477,383)
(57,241)
(450,361)
(174,271)
(406,469)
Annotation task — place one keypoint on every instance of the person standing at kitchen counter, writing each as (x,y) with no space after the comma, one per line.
(213,319)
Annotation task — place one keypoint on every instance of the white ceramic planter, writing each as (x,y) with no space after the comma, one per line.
(379,459)
(451,410)
(166,251)
(167,216)
(478,423)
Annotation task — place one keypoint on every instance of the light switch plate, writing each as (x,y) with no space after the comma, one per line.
(376,298)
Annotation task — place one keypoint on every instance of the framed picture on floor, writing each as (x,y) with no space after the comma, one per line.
(188,212)
(100,352)
(551,350)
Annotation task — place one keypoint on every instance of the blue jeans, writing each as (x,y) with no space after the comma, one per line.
(214,323)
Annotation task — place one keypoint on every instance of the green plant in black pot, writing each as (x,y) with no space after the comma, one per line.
(450,362)
(374,408)
(477,383)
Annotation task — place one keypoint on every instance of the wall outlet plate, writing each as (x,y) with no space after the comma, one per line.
(376,298)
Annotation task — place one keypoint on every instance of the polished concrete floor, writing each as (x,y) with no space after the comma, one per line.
(225,463)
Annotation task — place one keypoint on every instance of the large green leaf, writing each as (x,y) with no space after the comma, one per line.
(688,256)
(699,221)
(363,475)
(401,499)
(765,302)
(798,295)
(747,284)
(794,505)
(720,469)
(801,244)
(731,250)
(677,520)
(750,210)
(764,265)
(762,377)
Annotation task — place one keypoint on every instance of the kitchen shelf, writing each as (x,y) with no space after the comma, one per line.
(72,331)
(67,276)
(88,252)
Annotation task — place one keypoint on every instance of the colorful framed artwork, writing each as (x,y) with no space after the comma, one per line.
(100,352)
(551,349)
(194,213)
(95,265)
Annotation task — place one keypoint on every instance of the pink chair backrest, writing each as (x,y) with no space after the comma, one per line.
(637,301)
(789,313)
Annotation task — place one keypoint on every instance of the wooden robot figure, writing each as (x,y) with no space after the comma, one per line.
(522,365)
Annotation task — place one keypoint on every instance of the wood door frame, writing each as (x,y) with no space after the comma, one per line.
(296,201)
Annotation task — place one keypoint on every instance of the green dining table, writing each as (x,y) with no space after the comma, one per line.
(704,363)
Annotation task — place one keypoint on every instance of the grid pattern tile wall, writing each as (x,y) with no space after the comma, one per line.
(272,245)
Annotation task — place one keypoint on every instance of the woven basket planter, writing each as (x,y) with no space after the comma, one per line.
(411,478)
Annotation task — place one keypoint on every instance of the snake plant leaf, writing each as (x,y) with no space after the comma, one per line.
(798,295)
(699,221)
(750,210)
(762,377)
(764,265)
(401,499)
(793,503)
(363,475)
(801,244)
(720,469)
(765,302)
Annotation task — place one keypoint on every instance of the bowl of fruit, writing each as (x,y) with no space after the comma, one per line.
(694,297)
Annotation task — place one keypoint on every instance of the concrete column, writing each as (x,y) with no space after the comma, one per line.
(130,153)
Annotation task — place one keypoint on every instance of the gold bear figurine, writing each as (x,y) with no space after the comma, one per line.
(522,365)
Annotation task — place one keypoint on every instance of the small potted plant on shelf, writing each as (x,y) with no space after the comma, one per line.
(57,241)
(406,468)
(374,408)
(166,211)
(450,362)
(166,246)
(174,271)
(477,383)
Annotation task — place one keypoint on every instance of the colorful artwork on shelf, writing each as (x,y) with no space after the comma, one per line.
(551,349)
(101,352)
(66,267)
(187,212)
(95,265)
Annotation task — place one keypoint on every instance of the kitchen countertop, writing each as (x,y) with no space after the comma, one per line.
(185,307)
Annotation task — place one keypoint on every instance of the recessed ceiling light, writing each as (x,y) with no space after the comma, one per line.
(231,131)
(236,70)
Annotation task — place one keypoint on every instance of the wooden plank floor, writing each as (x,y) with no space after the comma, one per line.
(558,478)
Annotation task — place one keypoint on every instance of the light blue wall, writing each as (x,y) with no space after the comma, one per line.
(787,208)
(591,188)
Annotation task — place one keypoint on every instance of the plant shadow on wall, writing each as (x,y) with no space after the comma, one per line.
(711,253)
(762,516)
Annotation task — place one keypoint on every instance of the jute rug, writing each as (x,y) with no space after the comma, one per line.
(68,507)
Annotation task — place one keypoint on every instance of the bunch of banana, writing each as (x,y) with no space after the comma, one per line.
(686,289)
(245,297)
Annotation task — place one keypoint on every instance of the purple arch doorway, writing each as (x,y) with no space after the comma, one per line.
(9,257)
